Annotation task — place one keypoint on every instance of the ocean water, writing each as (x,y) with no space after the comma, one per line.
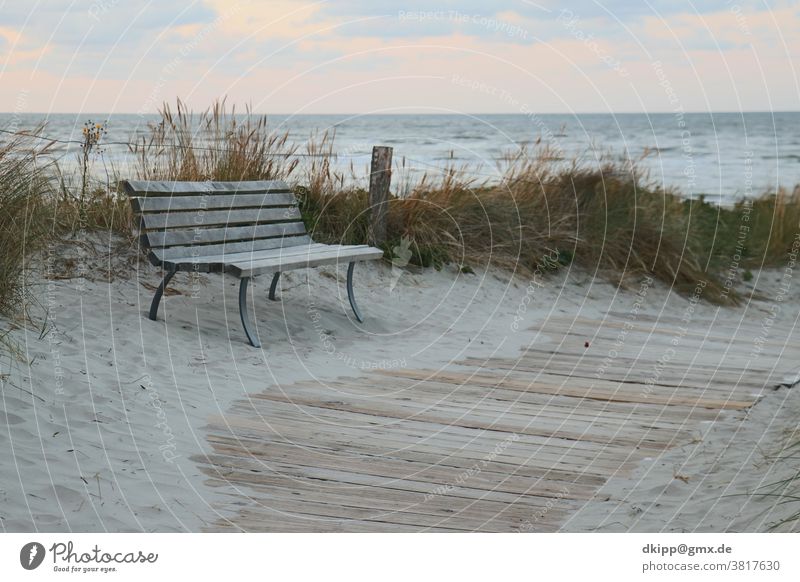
(723,156)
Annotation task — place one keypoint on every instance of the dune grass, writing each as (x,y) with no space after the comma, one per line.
(24,214)
(605,218)
(216,144)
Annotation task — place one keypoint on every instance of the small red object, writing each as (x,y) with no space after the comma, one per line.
(586,344)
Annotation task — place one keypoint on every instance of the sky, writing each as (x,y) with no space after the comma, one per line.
(376,56)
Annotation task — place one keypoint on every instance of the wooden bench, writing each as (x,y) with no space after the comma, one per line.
(240,228)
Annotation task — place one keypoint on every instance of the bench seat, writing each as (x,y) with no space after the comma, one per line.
(242,229)
(250,264)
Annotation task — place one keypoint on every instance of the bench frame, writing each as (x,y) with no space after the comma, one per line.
(160,209)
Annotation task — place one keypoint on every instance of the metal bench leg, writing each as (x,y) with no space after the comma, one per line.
(274,286)
(159,292)
(350,295)
(252,337)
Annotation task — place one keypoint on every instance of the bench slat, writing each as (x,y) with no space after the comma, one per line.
(216,263)
(286,252)
(210,202)
(161,187)
(289,251)
(202,236)
(249,268)
(200,218)
(248,263)
(223,252)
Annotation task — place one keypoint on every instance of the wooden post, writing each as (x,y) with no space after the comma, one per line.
(380,177)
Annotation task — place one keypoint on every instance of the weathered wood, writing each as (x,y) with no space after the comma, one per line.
(461,444)
(357,470)
(638,396)
(288,253)
(390,499)
(201,237)
(417,431)
(266,253)
(471,406)
(160,188)
(203,218)
(380,178)
(506,423)
(427,456)
(229,251)
(211,202)
(545,405)
(644,383)
(669,376)
(194,259)
(273,249)
(252,266)
(578,355)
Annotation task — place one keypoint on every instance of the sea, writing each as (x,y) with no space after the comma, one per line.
(721,156)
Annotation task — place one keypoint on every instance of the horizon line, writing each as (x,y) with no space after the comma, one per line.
(465,113)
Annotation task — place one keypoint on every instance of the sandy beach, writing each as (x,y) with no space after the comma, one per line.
(105,414)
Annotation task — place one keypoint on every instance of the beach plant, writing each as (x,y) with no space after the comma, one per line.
(92,133)
(93,205)
(24,215)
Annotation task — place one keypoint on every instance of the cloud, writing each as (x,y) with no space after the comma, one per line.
(99,25)
(536,9)
(343,54)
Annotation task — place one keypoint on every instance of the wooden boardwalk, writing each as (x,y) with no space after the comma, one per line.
(499,444)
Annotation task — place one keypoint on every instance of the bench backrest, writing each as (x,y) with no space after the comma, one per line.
(184,219)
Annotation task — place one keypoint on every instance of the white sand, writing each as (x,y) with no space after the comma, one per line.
(120,401)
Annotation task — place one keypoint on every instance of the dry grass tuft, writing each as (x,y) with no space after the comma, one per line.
(214,145)
(24,216)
